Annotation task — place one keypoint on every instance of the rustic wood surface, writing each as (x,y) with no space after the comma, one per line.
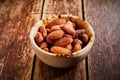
(16,54)
(104,61)
(17,61)
(44,72)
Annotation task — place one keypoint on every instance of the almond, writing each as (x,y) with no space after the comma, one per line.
(60,50)
(43,45)
(43,31)
(55,28)
(46,49)
(69,46)
(74,26)
(77,47)
(68,27)
(54,35)
(38,38)
(48,30)
(63,41)
(85,38)
(79,32)
(67,35)
(77,41)
(58,21)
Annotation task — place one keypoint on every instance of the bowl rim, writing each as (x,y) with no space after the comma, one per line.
(75,54)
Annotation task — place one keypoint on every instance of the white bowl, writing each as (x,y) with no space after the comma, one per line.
(57,61)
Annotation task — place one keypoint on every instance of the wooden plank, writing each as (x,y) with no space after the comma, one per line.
(104,61)
(16,55)
(44,72)
(73,7)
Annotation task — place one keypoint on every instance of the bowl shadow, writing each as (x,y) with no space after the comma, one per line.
(45,72)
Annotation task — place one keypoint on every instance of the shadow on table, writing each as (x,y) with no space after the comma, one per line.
(51,73)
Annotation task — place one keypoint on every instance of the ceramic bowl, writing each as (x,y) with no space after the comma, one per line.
(57,61)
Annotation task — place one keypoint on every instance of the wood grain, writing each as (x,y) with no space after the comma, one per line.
(16,55)
(44,72)
(104,61)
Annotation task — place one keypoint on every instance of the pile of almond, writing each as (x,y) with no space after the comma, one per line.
(61,37)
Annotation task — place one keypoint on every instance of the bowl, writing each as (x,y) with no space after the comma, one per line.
(58,61)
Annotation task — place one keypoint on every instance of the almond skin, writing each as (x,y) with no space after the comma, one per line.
(53,28)
(77,41)
(85,38)
(46,49)
(79,32)
(38,38)
(68,27)
(60,50)
(67,35)
(48,30)
(74,26)
(43,31)
(54,35)
(43,45)
(63,42)
(55,22)
(77,47)
(69,46)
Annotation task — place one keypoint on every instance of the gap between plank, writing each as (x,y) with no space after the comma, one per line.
(86,60)
(34,60)
(83,13)
(33,68)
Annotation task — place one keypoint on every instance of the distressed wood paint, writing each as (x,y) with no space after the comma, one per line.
(16,55)
(104,61)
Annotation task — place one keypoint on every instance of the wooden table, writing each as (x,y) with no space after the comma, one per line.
(18,60)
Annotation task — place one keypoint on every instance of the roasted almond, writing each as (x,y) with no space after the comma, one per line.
(54,35)
(53,28)
(77,41)
(60,50)
(85,38)
(79,32)
(55,22)
(43,45)
(77,47)
(46,49)
(67,35)
(68,27)
(69,46)
(63,41)
(38,38)
(43,31)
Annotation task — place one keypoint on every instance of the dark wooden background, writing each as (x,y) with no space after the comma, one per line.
(18,60)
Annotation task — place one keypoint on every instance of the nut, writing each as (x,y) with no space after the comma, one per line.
(85,38)
(74,25)
(55,22)
(43,45)
(54,35)
(77,41)
(67,35)
(55,28)
(46,49)
(60,50)
(38,38)
(48,30)
(77,47)
(79,32)
(43,31)
(63,41)
(68,27)
(69,46)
